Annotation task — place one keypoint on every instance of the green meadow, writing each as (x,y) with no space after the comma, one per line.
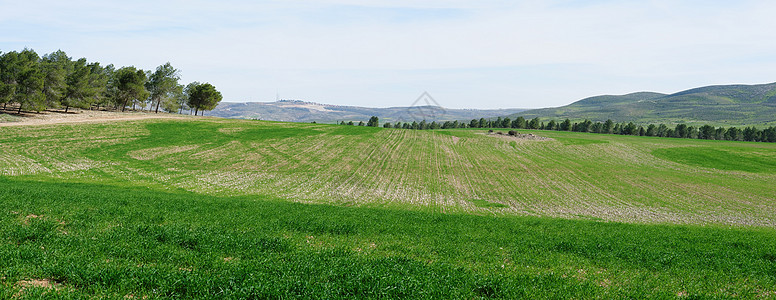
(221,209)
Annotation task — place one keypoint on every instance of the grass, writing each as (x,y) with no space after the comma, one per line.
(107,241)
(580,141)
(246,209)
(749,160)
(486,203)
(5,118)
(614,178)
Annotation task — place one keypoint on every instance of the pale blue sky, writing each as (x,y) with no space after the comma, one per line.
(467,54)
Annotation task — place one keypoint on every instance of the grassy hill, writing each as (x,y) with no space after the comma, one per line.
(216,208)
(300,111)
(726,105)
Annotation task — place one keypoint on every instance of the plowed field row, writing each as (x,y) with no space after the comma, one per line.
(572,175)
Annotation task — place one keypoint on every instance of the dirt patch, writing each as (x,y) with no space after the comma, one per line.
(519,136)
(45,283)
(86,116)
(26,220)
(14,165)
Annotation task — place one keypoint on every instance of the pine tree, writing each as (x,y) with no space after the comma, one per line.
(162,84)
(565,125)
(56,67)
(519,123)
(29,90)
(608,127)
(373,122)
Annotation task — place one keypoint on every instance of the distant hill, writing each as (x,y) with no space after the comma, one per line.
(302,111)
(720,104)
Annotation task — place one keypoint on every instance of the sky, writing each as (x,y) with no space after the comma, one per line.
(482,54)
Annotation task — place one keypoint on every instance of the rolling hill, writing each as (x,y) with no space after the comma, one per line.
(301,111)
(726,105)
(211,208)
(720,105)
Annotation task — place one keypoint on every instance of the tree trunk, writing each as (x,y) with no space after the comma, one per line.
(125,105)
(20,109)
(157,105)
(196,110)
(66,108)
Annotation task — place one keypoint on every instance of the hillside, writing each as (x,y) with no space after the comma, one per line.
(203,208)
(375,166)
(729,105)
(300,111)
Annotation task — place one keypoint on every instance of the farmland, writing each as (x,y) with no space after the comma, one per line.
(234,208)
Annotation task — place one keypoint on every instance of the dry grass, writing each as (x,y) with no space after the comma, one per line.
(42,283)
(47,284)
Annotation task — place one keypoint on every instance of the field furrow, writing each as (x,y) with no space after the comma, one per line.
(570,175)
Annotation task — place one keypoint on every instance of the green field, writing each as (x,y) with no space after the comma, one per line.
(217,208)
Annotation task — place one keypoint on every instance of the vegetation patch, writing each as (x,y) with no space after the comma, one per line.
(405,169)
(141,242)
(7,118)
(486,203)
(578,141)
(354,130)
(725,104)
(729,159)
(456,133)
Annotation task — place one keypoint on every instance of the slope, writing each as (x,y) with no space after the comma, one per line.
(238,209)
(614,178)
(728,105)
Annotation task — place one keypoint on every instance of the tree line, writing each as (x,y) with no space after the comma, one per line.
(373,122)
(708,132)
(36,83)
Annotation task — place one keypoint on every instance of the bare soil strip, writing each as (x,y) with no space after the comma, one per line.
(519,136)
(87,116)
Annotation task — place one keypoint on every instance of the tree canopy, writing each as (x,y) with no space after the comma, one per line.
(55,80)
(751,133)
(373,122)
(203,97)
(128,86)
(163,84)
